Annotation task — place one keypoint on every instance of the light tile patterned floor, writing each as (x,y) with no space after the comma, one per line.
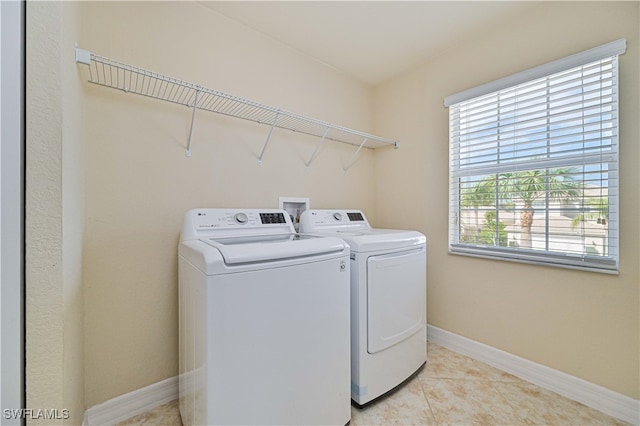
(452,390)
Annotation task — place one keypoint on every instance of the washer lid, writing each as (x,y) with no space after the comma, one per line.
(239,250)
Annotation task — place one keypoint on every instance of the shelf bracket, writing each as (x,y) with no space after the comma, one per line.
(315,151)
(264,148)
(355,155)
(193,119)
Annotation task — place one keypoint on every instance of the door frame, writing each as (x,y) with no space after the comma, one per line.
(12,175)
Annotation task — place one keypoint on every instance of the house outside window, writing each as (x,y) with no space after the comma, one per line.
(534,164)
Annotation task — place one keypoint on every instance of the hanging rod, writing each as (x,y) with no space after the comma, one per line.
(117,75)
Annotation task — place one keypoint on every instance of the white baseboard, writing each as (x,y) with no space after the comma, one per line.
(133,403)
(592,395)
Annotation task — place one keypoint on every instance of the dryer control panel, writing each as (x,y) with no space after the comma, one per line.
(223,223)
(316,220)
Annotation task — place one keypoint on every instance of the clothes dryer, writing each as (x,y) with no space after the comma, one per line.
(388,300)
(264,321)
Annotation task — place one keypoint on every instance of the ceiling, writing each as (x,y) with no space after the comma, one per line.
(370,40)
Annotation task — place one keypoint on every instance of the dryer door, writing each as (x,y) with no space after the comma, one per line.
(396,297)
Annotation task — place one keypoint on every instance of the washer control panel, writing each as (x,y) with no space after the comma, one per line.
(230,222)
(210,218)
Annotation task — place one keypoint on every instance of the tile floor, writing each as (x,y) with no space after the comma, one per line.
(451,390)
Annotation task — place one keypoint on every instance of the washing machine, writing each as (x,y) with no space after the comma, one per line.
(388,300)
(263,321)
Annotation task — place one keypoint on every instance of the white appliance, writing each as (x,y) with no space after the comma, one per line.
(388,300)
(264,321)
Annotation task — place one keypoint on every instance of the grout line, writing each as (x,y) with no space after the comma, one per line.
(424,393)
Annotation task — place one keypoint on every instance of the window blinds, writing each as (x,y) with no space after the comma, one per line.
(534,166)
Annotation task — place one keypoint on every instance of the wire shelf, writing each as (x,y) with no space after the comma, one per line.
(117,75)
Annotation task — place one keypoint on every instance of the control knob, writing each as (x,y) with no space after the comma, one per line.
(241,218)
(337,216)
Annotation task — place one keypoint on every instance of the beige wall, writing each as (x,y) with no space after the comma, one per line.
(54,213)
(139,183)
(584,324)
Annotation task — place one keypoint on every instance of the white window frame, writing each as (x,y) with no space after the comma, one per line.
(606,264)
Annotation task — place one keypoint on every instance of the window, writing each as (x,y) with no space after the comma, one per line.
(533,167)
